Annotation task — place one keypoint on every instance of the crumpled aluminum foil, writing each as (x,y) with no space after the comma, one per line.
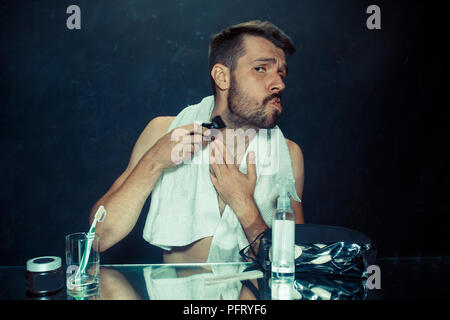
(326,271)
(337,258)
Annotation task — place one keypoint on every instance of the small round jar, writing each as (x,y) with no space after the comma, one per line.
(44,275)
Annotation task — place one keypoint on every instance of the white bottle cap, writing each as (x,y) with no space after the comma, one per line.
(43,264)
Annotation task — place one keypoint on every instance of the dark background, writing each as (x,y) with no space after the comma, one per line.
(360,103)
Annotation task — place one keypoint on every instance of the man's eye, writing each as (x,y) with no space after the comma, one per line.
(260,69)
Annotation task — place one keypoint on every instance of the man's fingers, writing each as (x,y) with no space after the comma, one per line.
(224,155)
(211,171)
(214,170)
(215,154)
(202,135)
(193,142)
(187,148)
(191,129)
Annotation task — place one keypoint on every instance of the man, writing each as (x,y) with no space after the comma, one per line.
(247,67)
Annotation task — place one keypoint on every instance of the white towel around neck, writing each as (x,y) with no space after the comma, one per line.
(184,206)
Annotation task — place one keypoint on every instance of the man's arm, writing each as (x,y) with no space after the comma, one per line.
(299,176)
(126,197)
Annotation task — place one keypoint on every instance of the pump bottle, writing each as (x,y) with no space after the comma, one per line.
(283,232)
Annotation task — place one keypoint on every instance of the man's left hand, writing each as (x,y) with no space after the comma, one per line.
(233,186)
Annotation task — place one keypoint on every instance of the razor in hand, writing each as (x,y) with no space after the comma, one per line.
(216,123)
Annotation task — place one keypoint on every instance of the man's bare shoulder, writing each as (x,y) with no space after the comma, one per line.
(293,147)
(154,130)
(296,156)
(161,123)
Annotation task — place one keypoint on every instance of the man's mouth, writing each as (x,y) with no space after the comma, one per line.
(277,103)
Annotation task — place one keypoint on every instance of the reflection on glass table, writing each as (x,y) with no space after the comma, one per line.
(231,281)
(177,282)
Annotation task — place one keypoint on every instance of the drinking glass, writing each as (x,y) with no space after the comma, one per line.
(83,265)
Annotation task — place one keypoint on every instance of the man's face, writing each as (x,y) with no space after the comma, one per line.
(256,84)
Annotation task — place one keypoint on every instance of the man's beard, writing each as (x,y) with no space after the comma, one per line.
(247,111)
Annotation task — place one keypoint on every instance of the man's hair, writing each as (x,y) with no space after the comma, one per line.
(227,46)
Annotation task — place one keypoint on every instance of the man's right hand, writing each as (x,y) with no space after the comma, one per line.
(178,145)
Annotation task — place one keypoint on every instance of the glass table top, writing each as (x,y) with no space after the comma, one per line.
(401,278)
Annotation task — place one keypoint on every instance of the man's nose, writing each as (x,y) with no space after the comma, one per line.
(277,84)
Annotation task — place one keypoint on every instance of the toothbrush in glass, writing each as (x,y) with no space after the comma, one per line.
(99,217)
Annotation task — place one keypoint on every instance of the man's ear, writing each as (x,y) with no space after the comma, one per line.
(221,75)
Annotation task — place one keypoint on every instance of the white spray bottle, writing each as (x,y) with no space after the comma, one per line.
(283,232)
